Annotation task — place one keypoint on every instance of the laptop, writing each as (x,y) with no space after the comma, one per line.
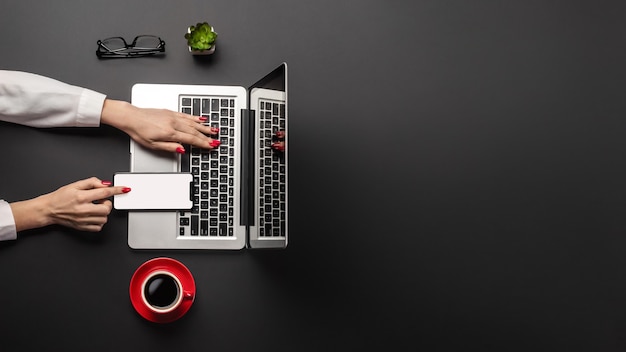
(238,190)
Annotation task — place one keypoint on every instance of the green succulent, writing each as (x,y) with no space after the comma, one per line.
(201,36)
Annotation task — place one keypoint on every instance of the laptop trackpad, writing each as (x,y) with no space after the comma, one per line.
(153,191)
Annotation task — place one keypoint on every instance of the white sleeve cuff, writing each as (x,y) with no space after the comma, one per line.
(7,222)
(89,108)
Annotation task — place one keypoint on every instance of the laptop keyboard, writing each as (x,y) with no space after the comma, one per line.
(272,192)
(213,193)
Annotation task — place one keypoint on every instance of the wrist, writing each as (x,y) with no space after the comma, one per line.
(113,113)
(32,213)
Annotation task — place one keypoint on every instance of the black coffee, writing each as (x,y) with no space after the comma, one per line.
(161,291)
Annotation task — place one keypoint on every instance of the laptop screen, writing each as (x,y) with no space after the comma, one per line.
(268,209)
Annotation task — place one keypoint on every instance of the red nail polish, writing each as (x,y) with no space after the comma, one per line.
(180,150)
(202,118)
(107,183)
(125,189)
(215,129)
(215,143)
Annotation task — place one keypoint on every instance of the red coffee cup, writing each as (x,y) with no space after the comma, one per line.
(162,290)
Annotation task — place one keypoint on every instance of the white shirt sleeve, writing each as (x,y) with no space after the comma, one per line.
(7,223)
(38,101)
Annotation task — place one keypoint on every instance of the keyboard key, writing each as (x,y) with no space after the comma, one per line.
(206,106)
(194,225)
(195,107)
(204,228)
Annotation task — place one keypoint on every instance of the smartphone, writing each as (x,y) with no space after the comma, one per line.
(153,191)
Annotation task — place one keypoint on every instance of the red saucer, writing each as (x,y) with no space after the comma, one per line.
(167,264)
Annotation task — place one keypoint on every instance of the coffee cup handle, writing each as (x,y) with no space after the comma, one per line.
(187,295)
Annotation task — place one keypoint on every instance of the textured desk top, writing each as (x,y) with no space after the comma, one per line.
(456,178)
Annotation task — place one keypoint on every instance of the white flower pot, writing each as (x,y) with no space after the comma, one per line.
(202,52)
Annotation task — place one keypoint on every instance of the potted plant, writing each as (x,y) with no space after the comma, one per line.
(201,39)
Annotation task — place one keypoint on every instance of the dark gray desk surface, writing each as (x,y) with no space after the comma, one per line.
(457,178)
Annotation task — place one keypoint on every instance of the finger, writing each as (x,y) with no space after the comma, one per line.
(169,147)
(98,209)
(199,141)
(104,207)
(197,129)
(85,227)
(190,133)
(103,193)
(185,131)
(93,220)
(280,146)
(93,228)
(89,183)
(280,134)
(192,137)
(198,123)
(86,222)
(191,117)
(92,225)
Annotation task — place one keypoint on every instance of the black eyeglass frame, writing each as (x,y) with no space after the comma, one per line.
(129,50)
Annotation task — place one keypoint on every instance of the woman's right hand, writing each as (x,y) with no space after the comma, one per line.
(159,129)
(82,205)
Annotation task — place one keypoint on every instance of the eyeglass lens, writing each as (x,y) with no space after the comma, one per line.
(114,43)
(146,42)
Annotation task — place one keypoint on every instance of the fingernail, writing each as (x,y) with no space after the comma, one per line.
(215,143)
(107,183)
(202,118)
(280,134)
(215,129)
(125,190)
(180,150)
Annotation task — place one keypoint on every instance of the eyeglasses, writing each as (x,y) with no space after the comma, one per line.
(142,45)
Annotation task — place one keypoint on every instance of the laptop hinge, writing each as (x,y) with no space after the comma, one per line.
(247,167)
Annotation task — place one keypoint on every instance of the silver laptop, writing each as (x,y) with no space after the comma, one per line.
(239,190)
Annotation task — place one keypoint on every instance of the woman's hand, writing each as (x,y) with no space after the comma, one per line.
(82,205)
(159,128)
